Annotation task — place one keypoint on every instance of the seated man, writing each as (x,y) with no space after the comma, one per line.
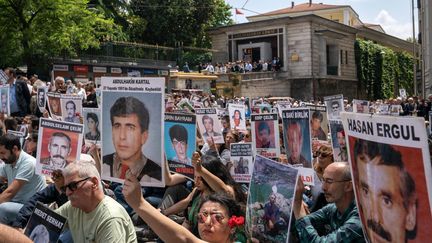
(339,219)
(50,194)
(19,171)
(92,216)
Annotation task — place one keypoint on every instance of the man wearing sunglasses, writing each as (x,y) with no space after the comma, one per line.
(19,172)
(339,221)
(92,216)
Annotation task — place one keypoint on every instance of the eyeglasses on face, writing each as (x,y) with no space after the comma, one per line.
(73,186)
(331,181)
(215,217)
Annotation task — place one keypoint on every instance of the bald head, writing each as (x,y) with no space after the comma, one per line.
(340,169)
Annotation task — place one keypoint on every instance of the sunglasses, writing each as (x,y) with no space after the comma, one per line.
(73,186)
(215,217)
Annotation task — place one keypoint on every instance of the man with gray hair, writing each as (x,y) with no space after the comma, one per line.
(92,216)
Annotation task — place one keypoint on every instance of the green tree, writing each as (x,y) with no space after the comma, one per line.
(174,22)
(32,31)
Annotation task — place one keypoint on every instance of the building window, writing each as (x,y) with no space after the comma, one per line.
(332,58)
(346,57)
(341,57)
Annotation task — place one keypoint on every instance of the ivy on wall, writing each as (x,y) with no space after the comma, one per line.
(381,71)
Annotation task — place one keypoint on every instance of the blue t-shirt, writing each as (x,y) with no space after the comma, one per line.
(24,169)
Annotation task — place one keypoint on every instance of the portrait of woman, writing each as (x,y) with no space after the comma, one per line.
(237,118)
(93,127)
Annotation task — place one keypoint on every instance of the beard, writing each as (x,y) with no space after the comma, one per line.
(10,159)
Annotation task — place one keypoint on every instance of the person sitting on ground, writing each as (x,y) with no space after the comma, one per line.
(19,171)
(339,220)
(210,176)
(217,228)
(91,215)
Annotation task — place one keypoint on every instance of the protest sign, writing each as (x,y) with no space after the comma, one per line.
(265,134)
(98,97)
(59,145)
(334,105)
(132,121)
(319,122)
(430,122)
(242,159)
(41,98)
(282,105)
(44,225)
(184,104)
(360,106)
(71,106)
(384,109)
(3,77)
(237,116)
(180,142)
(402,93)
(338,141)
(391,168)
(248,110)
(297,140)
(209,124)
(5,104)
(54,106)
(272,187)
(92,125)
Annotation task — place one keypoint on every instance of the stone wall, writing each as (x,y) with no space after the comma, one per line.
(304,89)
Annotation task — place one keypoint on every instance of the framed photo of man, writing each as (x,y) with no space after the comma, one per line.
(41,98)
(132,121)
(265,134)
(391,173)
(54,106)
(71,106)
(297,140)
(334,105)
(318,122)
(59,145)
(4,99)
(209,124)
(180,141)
(242,159)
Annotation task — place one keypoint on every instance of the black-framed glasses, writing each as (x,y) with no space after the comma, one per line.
(73,186)
(215,217)
(331,181)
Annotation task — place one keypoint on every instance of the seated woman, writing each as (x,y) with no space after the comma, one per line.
(210,176)
(216,221)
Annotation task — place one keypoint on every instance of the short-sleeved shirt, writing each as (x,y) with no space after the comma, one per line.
(108,222)
(24,169)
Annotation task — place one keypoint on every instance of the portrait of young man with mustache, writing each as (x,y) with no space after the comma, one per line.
(386,193)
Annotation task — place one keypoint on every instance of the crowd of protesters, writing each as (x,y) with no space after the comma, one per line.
(237,67)
(186,210)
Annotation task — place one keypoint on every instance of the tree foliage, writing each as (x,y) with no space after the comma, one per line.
(177,22)
(382,71)
(31,31)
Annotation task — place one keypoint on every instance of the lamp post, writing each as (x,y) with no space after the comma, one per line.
(414,49)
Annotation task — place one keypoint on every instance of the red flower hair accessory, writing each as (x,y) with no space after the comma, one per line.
(235,221)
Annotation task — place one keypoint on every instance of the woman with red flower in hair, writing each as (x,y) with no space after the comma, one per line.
(220,218)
